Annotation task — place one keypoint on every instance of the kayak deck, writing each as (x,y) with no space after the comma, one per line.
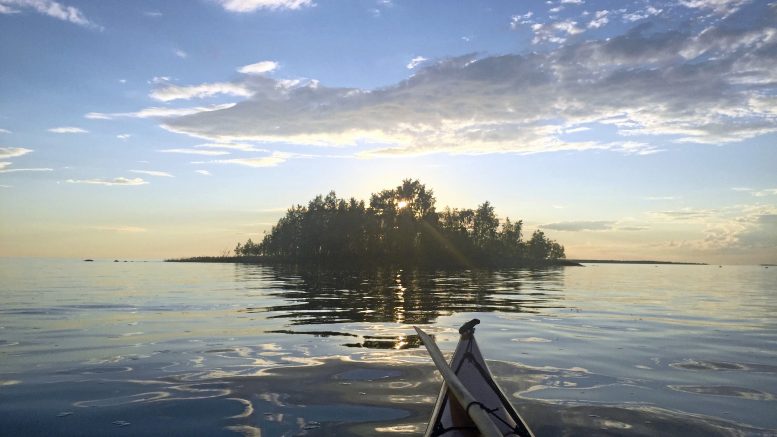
(452,418)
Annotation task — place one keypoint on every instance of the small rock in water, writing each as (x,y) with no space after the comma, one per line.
(121,423)
(65,414)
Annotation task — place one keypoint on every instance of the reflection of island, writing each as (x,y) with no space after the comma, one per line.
(324,296)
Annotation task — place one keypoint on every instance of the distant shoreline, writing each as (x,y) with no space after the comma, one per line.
(618,261)
(361,263)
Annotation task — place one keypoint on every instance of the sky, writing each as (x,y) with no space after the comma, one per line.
(156,129)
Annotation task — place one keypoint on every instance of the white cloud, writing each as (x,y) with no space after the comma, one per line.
(156,112)
(243,6)
(600,225)
(709,87)
(415,62)
(123,137)
(600,19)
(721,7)
(195,152)
(516,20)
(203,172)
(555,32)
(181,54)
(13,152)
(572,2)
(168,91)
(153,173)
(68,130)
(109,182)
(4,131)
(757,193)
(257,162)
(153,14)
(50,8)
(259,67)
(14,170)
(231,146)
(4,164)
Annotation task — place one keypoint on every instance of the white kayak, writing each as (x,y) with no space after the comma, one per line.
(470,402)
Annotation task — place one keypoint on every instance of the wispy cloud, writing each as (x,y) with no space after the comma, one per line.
(272,160)
(231,146)
(123,137)
(203,172)
(602,225)
(195,151)
(684,214)
(15,170)
(600,19)
(243,6)
(757,193)
(415,62)
(120,181)
(50,8)
(157,112)
(121,229)
(180,53)
(4,131)
(259,67)
(722,7)
(153,173)
(68,130)
(168,91)
(13,152)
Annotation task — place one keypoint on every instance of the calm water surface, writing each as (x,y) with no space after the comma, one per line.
(109,348)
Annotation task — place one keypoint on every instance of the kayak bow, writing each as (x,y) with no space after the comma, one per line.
(470,402)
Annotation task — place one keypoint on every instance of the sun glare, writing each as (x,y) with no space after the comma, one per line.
(401,204)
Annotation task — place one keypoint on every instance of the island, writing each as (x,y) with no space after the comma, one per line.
(399,227)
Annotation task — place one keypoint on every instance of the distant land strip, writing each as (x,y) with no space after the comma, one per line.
(621,261)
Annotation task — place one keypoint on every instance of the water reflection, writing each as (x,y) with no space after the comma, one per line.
(381,295)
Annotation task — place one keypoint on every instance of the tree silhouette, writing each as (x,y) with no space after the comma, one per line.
(401,225)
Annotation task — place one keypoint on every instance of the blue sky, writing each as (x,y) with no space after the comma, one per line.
(151,129)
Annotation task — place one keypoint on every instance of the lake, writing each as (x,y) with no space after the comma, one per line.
(131,348)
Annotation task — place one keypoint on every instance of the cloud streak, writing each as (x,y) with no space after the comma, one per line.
(245,6)
(13,152)
(153,173)
(157,112)
(68,130)
(120,181)
(49,8)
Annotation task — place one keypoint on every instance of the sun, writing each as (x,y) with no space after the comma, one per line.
(401,204)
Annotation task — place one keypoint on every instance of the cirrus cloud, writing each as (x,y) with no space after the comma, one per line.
(68,130)
(120,181)
(243,6)
(49,8)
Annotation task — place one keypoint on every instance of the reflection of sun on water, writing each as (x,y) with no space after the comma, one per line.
(401,204)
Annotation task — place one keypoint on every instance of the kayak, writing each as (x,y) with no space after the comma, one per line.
(470,402)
